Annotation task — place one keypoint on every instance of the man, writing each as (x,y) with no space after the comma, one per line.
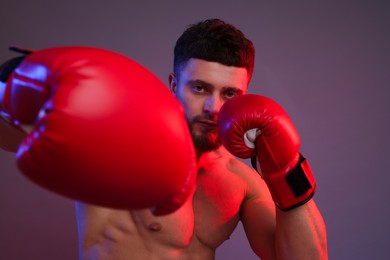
(49,93)
(213,63)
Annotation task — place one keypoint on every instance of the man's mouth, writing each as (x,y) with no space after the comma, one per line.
(209,123)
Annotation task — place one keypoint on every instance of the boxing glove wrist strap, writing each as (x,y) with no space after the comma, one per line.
(294,188)
(6,69)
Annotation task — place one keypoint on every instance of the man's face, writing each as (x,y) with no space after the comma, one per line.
(202,88)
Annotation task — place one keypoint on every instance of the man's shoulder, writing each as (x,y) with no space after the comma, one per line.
(222,166)
(237,165)
(255,185)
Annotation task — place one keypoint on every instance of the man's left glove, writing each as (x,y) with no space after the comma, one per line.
(252,126)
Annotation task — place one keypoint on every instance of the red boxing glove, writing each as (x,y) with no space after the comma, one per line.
(251,125)
(105,130)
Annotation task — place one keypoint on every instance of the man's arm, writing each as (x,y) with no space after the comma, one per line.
(252,126)
(10,136)
(274,234)
(301,233)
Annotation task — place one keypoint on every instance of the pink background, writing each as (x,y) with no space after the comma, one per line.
(327,63)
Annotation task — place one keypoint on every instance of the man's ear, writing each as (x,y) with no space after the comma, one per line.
(172,82)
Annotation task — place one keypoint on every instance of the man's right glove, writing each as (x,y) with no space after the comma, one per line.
(103,129)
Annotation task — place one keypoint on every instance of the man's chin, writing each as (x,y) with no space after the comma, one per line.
(205,139)
(204,144)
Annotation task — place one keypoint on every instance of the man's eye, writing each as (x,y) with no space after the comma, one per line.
(198,89)
(230,94)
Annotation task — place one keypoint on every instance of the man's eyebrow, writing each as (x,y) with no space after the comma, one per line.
(199,82)
(234,89)
(209,85)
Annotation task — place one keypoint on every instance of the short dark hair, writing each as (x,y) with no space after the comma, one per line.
(217,41)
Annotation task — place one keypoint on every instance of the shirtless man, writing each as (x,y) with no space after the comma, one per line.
(227,190)
(213,63)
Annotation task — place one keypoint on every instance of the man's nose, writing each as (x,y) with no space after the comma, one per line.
(213,104)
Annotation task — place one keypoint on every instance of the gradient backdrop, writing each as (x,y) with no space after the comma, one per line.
(326,62)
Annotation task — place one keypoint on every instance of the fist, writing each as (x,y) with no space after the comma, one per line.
(256,126)
(104,130)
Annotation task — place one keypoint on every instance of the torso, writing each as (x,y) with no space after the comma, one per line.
(123,234)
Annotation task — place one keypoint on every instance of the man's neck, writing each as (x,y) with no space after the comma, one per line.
(211,155)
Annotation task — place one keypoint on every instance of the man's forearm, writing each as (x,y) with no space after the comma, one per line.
(301,233)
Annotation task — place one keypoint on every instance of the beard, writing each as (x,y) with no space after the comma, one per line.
(205,139)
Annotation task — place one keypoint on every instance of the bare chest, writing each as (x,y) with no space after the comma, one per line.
(216,204)
(203,223)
